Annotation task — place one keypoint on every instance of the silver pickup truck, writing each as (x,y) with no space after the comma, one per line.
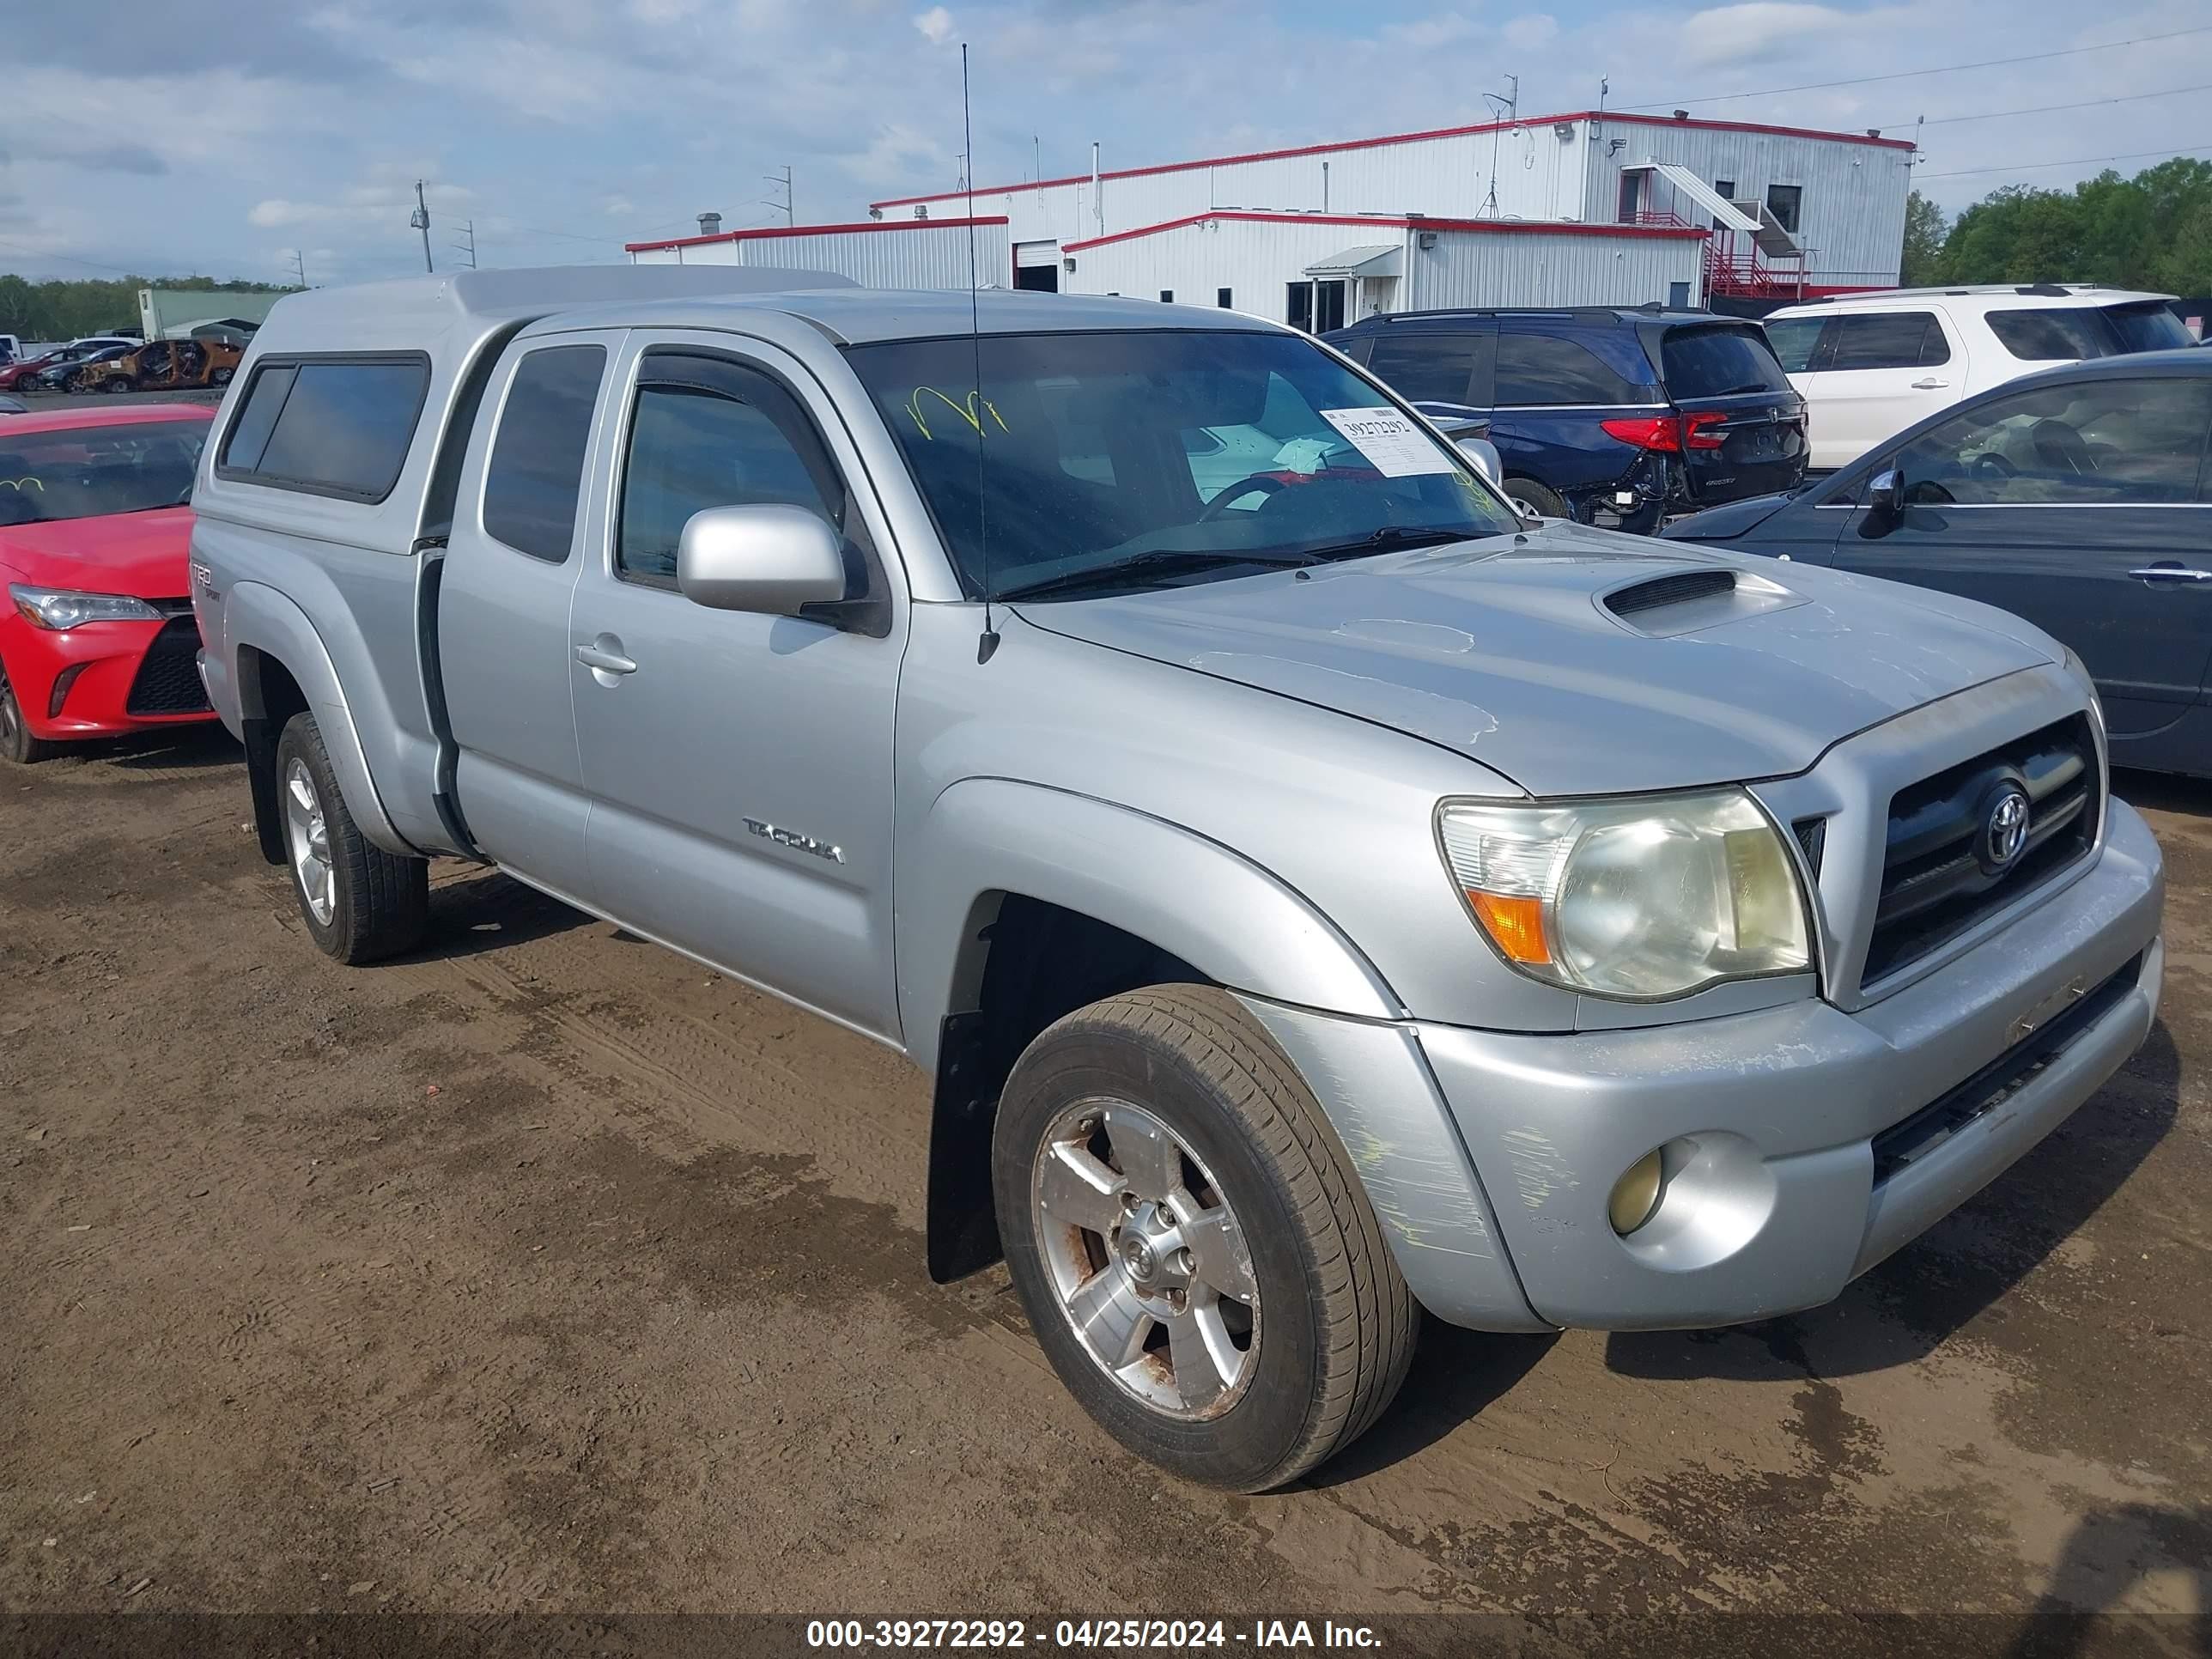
(1317,893)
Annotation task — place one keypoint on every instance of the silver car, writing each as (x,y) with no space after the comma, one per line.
(1316,893)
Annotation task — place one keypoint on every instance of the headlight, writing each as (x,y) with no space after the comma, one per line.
(1640,899)
(58,609)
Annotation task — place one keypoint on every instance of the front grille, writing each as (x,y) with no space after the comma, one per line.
(1937,880)
(1902,1144)
(169,681)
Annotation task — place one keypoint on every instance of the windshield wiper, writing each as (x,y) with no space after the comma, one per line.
(1391,538)
(1160,558)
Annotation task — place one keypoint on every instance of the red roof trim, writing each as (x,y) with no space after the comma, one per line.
(764,232)
(1406,138)
(1368,222)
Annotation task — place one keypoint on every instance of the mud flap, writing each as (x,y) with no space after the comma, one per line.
(964,1222)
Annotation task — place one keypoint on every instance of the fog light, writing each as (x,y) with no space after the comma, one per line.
(62,681)
(1635,1195)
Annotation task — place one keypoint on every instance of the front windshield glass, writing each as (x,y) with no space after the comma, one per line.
(85,472)
(1165,457)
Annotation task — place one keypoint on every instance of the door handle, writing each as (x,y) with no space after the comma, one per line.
(2172,573)
(1931,383)
(604,654)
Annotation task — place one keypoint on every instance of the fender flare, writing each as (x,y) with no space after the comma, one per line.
(259,617)
(1190,895)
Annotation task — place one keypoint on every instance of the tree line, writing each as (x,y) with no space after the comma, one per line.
(63,310)
(2153,231)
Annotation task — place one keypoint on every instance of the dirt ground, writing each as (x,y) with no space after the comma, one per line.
(543,1271)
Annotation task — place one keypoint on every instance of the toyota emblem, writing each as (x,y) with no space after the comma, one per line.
(2004,832)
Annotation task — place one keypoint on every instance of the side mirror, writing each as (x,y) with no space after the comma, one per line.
(1885,493)
(1484,454)
(770,560)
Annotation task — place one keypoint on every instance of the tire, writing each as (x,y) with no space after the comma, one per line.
(1327,1324)
(1538,500)
(16,742)
(361,903)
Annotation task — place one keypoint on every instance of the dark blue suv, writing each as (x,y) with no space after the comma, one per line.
(1616,417)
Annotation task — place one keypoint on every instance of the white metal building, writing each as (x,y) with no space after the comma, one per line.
(1322,270)
(891,253)
(1790,210)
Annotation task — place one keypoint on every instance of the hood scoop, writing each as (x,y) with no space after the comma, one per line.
(1686,601)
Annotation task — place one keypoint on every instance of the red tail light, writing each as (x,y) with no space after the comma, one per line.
(1662,433)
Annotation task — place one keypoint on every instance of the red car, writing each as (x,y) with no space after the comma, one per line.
(97,637)
(22,374)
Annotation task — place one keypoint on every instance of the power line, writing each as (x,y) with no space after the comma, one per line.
(2076,162)
(2046,109)
(1907,74)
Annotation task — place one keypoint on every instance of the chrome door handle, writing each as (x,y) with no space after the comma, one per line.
(2172,573)
(1930,384)
(606,659)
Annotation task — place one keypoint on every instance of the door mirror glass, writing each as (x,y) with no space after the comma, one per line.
(772,560)
(1885,493)
(1484,454)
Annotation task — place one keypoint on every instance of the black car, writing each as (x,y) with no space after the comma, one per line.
(2079,497)
(1613,417)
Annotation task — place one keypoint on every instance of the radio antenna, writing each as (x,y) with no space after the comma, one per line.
(989,642)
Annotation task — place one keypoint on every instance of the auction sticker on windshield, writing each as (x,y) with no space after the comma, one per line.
(1398,448)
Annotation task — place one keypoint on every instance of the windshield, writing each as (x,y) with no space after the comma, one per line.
(1177,455)
(85,472)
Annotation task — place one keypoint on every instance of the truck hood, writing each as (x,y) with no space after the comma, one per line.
(1504,650)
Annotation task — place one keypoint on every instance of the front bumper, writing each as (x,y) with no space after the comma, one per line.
(1771,1118)
(97,702)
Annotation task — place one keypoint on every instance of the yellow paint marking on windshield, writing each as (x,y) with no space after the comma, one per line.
(16,484)
(967,411)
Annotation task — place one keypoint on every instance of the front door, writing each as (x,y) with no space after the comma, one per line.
(738,766)
(2082,507)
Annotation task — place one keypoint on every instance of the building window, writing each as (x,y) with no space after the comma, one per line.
(1632,197)
(1167,296)
(1221,298)
(1725,188)
(1297,309)
(1783,202)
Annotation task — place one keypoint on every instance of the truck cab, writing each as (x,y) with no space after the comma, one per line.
(1317,894)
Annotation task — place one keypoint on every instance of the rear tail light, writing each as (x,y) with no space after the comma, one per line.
(1664,434)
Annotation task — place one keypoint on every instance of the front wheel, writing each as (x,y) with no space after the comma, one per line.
(1195,1254)
(16,742)
(361,903)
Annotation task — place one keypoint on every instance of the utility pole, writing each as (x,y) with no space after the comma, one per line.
(790,202)
(469,247)
(300,266)
(420,219)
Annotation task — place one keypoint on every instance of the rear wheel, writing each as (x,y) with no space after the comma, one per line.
(361,903)
(1195,1255)
(16,742)
(1544,503)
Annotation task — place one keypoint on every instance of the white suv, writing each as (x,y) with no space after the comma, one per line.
(1870,365)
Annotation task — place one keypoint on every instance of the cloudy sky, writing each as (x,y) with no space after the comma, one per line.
(222,135)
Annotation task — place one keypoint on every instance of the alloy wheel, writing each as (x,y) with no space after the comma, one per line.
(309,838)
(1148,1261)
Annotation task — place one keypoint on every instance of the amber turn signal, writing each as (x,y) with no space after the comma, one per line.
(1515,925)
